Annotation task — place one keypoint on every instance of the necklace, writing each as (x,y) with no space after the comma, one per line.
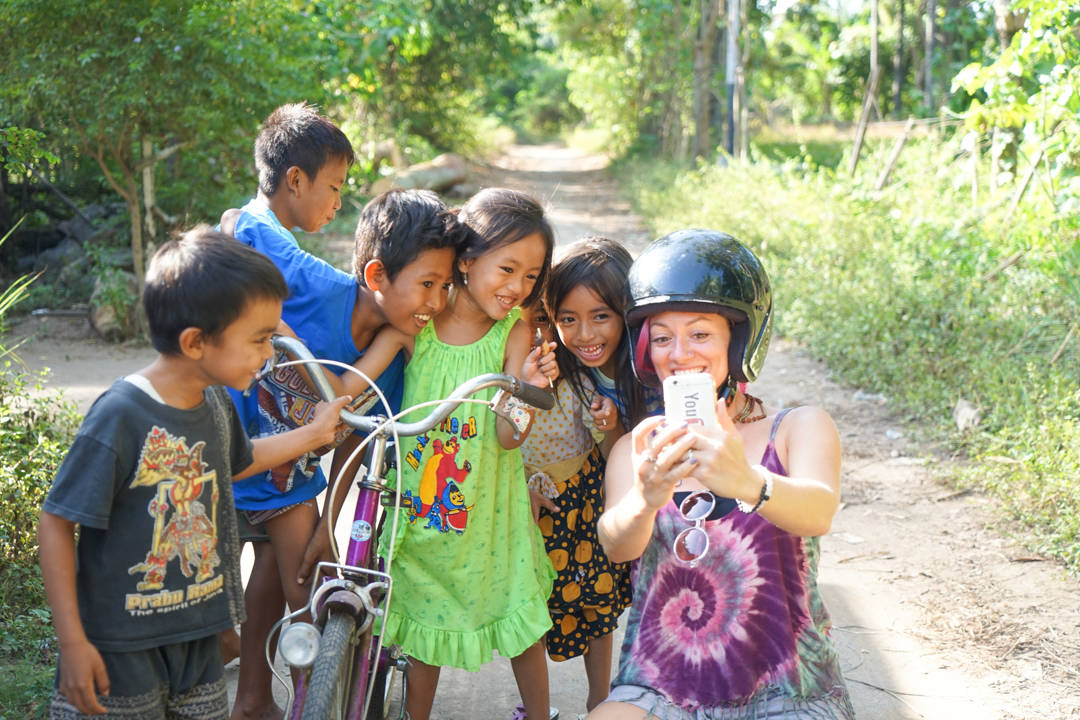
(743,415)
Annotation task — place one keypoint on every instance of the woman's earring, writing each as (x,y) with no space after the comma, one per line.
(465,279)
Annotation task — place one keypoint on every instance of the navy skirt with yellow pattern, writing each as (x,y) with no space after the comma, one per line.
(590,591)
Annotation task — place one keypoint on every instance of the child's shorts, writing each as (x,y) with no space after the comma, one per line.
(249,531)
(251,524)
(182,680)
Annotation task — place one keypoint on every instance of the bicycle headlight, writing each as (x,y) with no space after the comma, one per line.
(299,644)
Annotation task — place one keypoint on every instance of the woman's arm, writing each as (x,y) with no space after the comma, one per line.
(642,470)
(802,503)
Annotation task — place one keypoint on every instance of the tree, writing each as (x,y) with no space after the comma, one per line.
(1032,89)
(704,49)
(148,81)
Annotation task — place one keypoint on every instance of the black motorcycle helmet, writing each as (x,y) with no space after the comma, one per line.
(704,271)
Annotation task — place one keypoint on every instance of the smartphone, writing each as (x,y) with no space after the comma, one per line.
(690,397)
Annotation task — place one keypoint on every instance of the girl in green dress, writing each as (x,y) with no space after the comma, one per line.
(470,572)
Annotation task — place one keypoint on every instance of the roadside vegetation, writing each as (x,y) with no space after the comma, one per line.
(918,294)
(950,284)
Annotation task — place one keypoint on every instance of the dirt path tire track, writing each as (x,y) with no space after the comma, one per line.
(937,613)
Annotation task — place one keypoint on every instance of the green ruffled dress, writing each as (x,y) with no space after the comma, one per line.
(470,571)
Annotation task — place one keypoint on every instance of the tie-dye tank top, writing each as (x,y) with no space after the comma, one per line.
(744,628)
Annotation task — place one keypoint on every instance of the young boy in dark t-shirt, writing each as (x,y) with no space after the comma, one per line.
(139,599)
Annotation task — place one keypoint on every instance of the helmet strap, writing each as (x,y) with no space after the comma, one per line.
(727,391)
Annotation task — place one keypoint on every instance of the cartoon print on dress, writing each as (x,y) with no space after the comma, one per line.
(439,498)
(182,529)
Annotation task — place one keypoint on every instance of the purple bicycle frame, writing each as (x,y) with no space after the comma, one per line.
(361,555)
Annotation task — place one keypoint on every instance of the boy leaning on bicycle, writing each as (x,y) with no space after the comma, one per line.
(139,599)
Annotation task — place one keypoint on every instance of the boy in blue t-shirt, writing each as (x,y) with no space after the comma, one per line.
(139,599)
(406,243)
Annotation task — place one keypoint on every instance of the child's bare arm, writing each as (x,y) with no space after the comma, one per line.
(380,353)
(268,452)
(82,671)
(530,366)
(605,418)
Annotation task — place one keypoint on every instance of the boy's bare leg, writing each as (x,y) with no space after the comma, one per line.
(598,669)
(422,681)
(289,534)
(531,675)
(265,604)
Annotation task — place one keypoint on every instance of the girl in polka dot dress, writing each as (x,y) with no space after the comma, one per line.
(565,452)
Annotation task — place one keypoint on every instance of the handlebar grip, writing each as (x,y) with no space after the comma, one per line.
(537,397)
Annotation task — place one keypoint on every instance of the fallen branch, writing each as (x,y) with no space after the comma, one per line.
(56,191)
(1006,263)
(864,118)
(887,171)
(1024,186)
(1061,348)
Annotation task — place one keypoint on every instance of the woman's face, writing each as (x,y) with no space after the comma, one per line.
(690,342)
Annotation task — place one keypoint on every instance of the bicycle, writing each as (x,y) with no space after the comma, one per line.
(344,672)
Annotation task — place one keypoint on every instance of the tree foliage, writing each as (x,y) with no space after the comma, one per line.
(147,82)
(1032,89)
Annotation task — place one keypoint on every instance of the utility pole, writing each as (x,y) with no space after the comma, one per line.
(730,64)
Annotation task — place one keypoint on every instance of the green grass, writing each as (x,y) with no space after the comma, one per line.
(900,292)
(25,688)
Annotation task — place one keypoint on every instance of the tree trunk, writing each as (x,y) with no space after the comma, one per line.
(1006,22)
(6,222)
(931,21)
(731,70)
(873,35)
(740,80)
(148,187)
(129,190)
(898,64)
(704,46)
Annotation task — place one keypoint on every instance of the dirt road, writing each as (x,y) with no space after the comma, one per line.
(937,613)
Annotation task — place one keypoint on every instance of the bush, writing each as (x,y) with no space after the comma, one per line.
(35,433)
(912,292)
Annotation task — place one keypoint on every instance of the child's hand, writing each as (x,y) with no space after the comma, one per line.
(326,423)
(537,501)
(540,368)
(318,550)
(604,413)
(83,676)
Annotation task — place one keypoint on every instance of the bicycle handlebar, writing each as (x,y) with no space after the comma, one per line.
(535,396)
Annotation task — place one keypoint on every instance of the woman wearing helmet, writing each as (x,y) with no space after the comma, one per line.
(726,619)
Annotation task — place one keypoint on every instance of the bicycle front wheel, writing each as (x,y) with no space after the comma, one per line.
(330,686)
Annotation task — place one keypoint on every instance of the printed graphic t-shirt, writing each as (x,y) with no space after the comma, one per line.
(158,557)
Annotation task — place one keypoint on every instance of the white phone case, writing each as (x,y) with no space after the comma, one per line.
(690,398)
